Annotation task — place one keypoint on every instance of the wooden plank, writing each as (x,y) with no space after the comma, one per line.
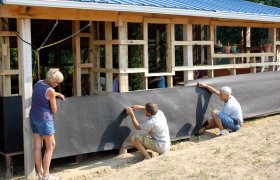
(1,59)
(248,42)
(91,60)
(7,33)
(9,72)
(106,42)
(76,43)
(24,29)
(109,56)
(188,52)
(146,53)
(243,24)
(133,42)
(7,87)
(253,69)
(16,11)
(158,20)
(224,66)
(133,70)
(202,50)
(210,51)
(277,42)
(85,65)
(232,70)
(105,70)
(242,55)
(160,74)
(192,43)
(116,42)
(272,35)
(123,59)
(170,52)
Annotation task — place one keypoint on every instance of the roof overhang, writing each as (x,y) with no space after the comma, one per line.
(142,9)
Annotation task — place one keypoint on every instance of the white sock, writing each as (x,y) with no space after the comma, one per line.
(222,132)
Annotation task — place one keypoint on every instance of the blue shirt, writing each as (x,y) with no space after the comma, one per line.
(161,82)
(40,105)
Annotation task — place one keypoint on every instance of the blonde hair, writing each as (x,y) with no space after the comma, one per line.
(54,75)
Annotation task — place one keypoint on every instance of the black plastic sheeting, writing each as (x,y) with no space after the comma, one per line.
(97,123)
(11,138)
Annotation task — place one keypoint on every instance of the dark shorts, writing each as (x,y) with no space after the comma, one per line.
(42,127)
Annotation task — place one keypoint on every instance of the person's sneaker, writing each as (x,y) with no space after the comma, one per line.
(223,132)
(50,177)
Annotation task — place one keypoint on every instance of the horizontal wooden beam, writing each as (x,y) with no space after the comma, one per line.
(133,42)
(158,20)
(191,43)
(7,33)
(242,55)
(243,24)
(159,74)
(224,66)
(119,42)
(105,70)
(85,65)
(133,70)
(9,72)
(105,42)
(277,42)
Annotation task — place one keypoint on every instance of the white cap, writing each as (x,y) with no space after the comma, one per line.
(226,90)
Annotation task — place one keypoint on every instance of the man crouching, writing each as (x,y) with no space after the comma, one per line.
(154,133)
(230,117)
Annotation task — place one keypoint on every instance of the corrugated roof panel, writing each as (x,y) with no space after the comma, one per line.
(235,9)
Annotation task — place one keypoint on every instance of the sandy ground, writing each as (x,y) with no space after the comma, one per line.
(251,153)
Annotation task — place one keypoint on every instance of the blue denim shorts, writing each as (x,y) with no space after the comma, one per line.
(228,122)
(42,127)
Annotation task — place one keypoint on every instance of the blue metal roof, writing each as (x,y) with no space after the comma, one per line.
(230,9)
(229,6)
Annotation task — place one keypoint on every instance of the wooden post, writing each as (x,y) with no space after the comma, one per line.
(109,56)
(96,57)
(91,60)
(272,35)
(77,89)
(146,55)
(253,69)
(170,53)
(232,70)
(1,59)
(5,60)
(188,52)
(210,51)
(123,58)
(24,29)
(202,49)
(248,42)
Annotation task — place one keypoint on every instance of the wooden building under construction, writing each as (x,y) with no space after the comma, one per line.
(93,42)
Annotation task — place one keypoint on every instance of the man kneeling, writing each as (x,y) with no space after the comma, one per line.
(231,115)
(154,134)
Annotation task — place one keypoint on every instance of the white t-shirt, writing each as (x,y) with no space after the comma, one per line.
(233,109)
(156,126)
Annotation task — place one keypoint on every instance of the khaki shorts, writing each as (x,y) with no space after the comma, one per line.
(147,142)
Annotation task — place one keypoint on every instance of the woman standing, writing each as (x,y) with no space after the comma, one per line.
(41,120)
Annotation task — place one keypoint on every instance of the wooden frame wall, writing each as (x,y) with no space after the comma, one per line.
(25,14)
(268,59)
